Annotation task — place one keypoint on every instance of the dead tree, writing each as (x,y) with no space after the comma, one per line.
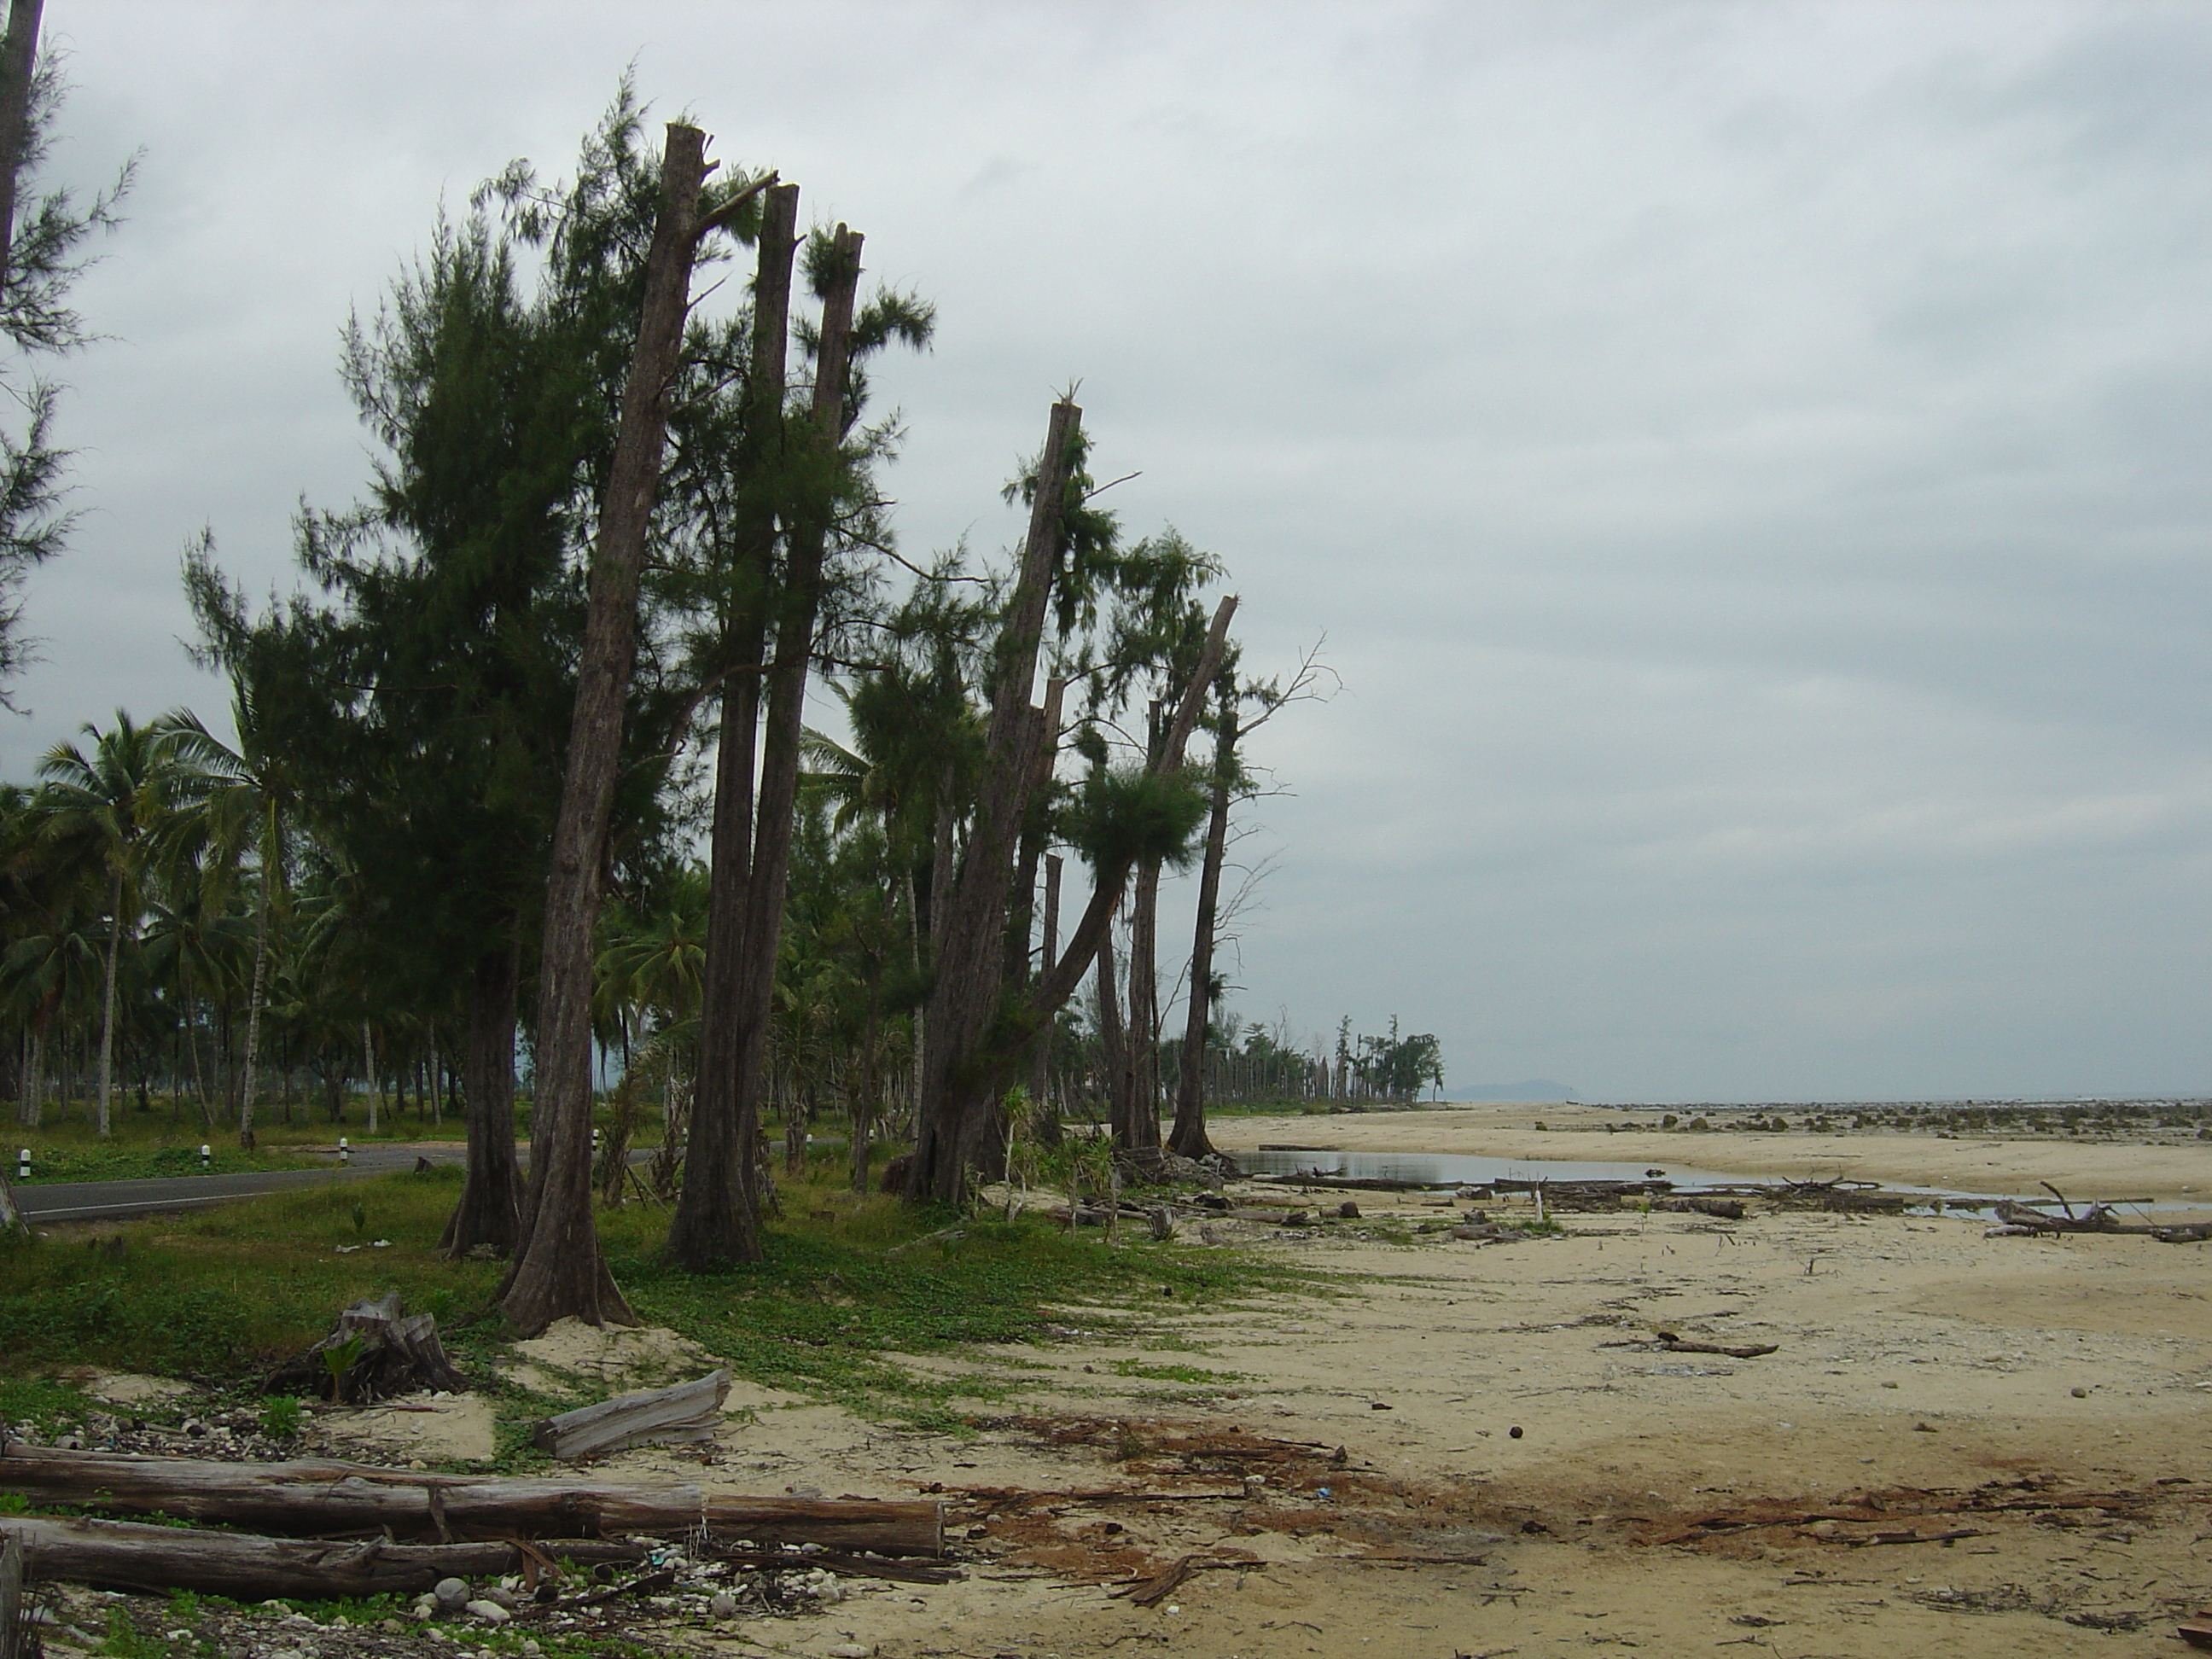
(19,53)
(750,988)
(558,1270)
(977,1030)
(716,1211)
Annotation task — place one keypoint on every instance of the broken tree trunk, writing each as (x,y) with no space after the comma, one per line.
(13,1645)
(389,1354)
(686,1412)
(558,1270)
(717,1211)
(128,1555)
(317,1497)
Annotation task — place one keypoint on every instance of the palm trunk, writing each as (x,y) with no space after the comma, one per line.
(368,1074)
(33,1108)
(253,1014)
(199,1077)
(107,997)
(558,1269)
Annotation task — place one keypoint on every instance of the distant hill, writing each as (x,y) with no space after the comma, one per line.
(1533,1089)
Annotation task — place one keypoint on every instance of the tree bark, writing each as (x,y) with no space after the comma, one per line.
(1143,1043)
(558,1269)
(1041,1045)
(491,1204)
(716,1217)
(107,997)
(254,1013)
(750,993)
(956,1130)
(318,1496)
(1113,1043)
(19,53)
(1188,1137)
(960,1130)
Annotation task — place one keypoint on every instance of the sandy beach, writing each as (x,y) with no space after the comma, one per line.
(1957,1445)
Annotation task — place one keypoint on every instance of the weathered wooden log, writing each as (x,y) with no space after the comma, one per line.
(12,1623)
(317,1497)
(687,1412)
(131,1556)
(1723,1209)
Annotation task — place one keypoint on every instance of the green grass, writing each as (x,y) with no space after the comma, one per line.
(219,1296)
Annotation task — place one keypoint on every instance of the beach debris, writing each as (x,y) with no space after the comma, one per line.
(318,1497)
(687,1412)
(2197,1631)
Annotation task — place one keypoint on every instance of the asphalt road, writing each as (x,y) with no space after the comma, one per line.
(114,1201)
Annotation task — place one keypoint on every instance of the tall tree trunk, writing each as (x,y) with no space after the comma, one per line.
(974,1057)
(1113,1044)
(558,1270)
(490,1203)
(1144,1034)
(34,1083)
(723,1227)
(368,1074)
(716,1213)
(254,1013)
(956,1130)
(1189,1137)
(107,996)
(1048,1121)
(19,53)
(798,605)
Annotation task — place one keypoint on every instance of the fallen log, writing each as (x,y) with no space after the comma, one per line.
(1350,1183)
(1673,1344)
(687,1412)
(14,1643)
(1721,1209)
(125,1555)
(2096,1218)
(316,1498)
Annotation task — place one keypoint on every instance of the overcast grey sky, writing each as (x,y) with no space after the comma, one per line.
(1749,460)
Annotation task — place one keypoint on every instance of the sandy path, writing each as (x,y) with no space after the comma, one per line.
(2169,1170)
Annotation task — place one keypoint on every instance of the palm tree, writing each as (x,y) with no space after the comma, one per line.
(106,806)
(240,803)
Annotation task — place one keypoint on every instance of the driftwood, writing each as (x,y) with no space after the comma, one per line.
(1673,1344)
(836,1561)
(323,1498)
(13,1622)
(2098,1219)
(130,1556)
(687,1412)
(1723,1209)
(372,1353)
(1350,1183)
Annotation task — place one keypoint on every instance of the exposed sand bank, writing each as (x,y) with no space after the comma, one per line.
(2169,1171)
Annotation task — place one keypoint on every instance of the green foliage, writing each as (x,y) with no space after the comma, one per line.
(280,1416)
(1125,815)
